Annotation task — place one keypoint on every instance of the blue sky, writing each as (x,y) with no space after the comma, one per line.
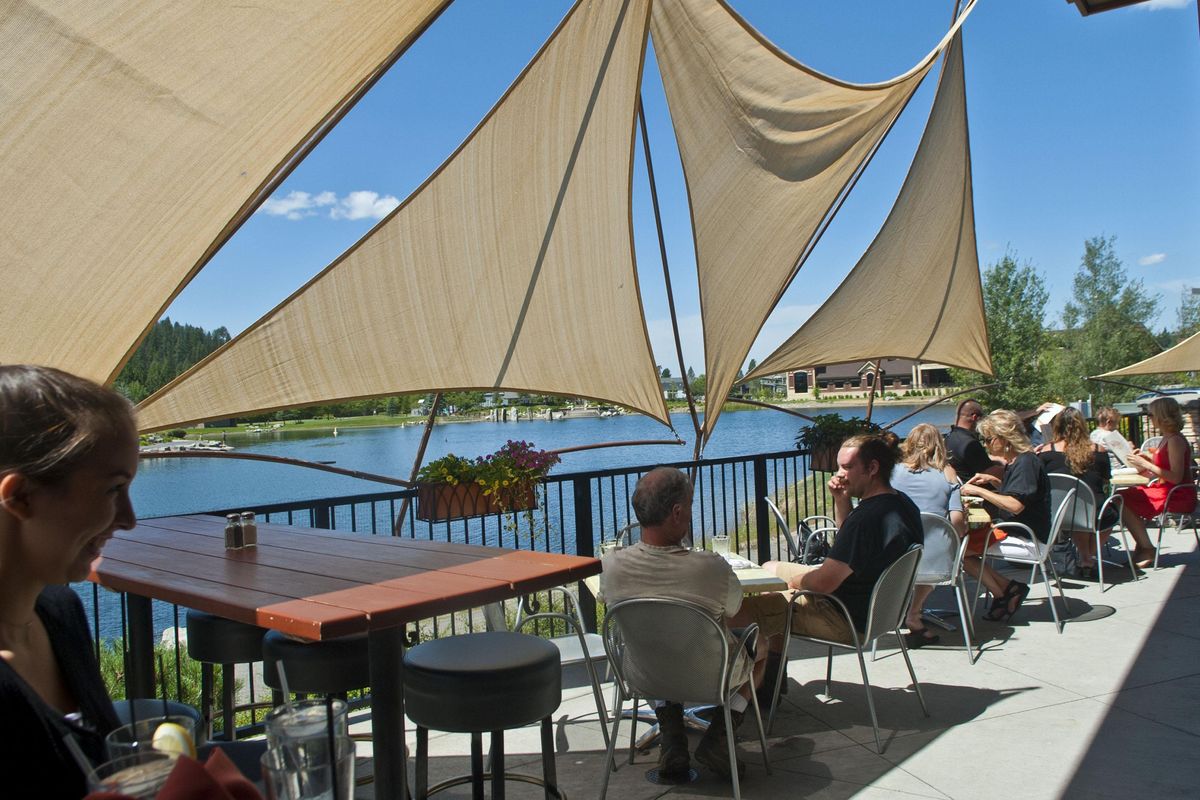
(1079,127)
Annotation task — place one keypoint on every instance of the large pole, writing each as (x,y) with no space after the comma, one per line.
(433,410)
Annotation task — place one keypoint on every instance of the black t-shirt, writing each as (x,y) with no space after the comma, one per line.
(966,453)
(1025,479)
(872,537)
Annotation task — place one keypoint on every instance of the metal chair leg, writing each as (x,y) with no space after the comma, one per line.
(961,598)
(549,771)
(762,736)
(598,696)
(609,760)
(862,665)
(732,746)
(912,673)
(829,670)
(1050,597)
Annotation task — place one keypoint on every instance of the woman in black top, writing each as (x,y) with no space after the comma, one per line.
(68,452)
(1073,453)
(1022,495)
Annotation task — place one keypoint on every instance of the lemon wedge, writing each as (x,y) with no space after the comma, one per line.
(170,737)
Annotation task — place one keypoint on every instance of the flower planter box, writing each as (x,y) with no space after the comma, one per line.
(437,502)
(823,459)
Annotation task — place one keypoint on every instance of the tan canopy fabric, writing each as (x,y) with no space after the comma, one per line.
(916,292)
(136,136)
(480,279)
(768,145)
(1183,357)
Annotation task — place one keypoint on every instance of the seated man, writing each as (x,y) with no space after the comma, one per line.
(869,539)
(964,450)
(659,566)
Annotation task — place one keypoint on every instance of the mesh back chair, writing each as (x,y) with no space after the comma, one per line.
(673,650)
(576,647)
(1153,441)
(1081,516)
(1180,518)
(941,565)
(889,603)
(810,541)
(1024,548)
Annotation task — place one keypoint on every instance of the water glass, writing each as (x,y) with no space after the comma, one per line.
(139,775)
(306,719)
(305,771)
(720,544)
(138,737)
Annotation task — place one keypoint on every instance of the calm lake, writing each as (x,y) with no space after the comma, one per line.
(176,486)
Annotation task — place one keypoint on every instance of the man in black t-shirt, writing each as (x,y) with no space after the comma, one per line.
(964,450)
(870,538)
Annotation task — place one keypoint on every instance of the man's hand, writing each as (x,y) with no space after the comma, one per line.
(837,487)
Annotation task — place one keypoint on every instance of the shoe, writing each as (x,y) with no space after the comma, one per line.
(673,761)
(919,637)
(1009,603)
(713,750)
(1087,573)
(1143,557)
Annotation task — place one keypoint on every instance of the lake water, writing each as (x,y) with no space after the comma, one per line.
(176,486)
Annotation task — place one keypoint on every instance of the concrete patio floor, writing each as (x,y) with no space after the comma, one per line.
(1107,709)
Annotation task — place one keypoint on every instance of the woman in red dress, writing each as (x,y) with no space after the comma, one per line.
(1171,465)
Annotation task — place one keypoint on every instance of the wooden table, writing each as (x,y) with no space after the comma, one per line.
(754,580)
(319,584)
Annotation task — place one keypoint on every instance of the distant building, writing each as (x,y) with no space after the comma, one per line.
(855,378)
(672,388)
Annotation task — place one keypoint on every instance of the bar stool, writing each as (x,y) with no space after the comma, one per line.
(483,682)
(213,640)
(326,667)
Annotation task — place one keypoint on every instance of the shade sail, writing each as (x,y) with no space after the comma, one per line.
(136,135)
(1183,357)
(510,268)
(767,145)
(916,292)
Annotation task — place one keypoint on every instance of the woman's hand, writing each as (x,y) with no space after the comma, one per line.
(982,479)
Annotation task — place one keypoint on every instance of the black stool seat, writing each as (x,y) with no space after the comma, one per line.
(329,666)
(483,682)
(222,641)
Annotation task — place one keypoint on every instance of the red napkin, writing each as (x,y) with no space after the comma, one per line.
(216,779)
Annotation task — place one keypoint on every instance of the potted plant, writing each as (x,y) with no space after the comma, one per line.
(824,436)
(503,481)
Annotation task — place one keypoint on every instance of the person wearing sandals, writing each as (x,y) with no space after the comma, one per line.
(1171,464)
(1072,452)
(1022,495)
(932,484)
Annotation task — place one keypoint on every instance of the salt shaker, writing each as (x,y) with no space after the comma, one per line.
(233,532)
(249,529)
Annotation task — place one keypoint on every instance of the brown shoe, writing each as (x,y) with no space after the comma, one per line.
(673,761)
(713,750)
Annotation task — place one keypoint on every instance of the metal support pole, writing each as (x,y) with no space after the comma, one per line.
(584,546)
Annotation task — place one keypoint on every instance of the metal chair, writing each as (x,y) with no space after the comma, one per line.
(579,647)
(673,650)
(941,565)
(1026,549)
(889,603)
(1179,518)
(813,537)
(1082,516)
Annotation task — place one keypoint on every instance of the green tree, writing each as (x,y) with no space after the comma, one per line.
(1106,324)
(1014,299)
(1189,313)
(666,373)
(698,385)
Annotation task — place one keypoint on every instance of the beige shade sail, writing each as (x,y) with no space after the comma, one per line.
(768,146)
(510,268)
(137,135)
(1183,357)
(916,292)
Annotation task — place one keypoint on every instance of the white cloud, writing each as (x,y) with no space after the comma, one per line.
(355,205)
(1152,259)
(1159,5)
(363,204)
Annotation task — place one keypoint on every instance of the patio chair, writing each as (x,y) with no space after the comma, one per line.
(1025,549)
(1180,519)
(889,603)
(941,565)
(1082,516)
(673,650)
(578,647)
(807,542)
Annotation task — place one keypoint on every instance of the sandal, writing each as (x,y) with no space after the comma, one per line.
(919,637)
(1003,607)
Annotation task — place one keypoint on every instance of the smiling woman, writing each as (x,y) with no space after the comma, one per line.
(68,452)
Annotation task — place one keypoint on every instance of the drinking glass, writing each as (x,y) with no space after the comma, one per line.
(306,719)
(138,737)
(139,775)
(305,771)
(720,544)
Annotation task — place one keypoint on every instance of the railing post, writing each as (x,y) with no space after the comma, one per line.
(762,520)
(584,546)
(321,517)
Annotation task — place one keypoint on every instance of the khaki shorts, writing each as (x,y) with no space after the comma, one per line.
(815,616)
(769,611)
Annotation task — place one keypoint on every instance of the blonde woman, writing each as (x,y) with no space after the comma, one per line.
(1072,452)
(1171,464)
(1022,495)
(932,484)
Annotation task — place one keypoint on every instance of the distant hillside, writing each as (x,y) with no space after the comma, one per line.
(169,349)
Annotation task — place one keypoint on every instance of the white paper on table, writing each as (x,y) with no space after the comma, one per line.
(737,562)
